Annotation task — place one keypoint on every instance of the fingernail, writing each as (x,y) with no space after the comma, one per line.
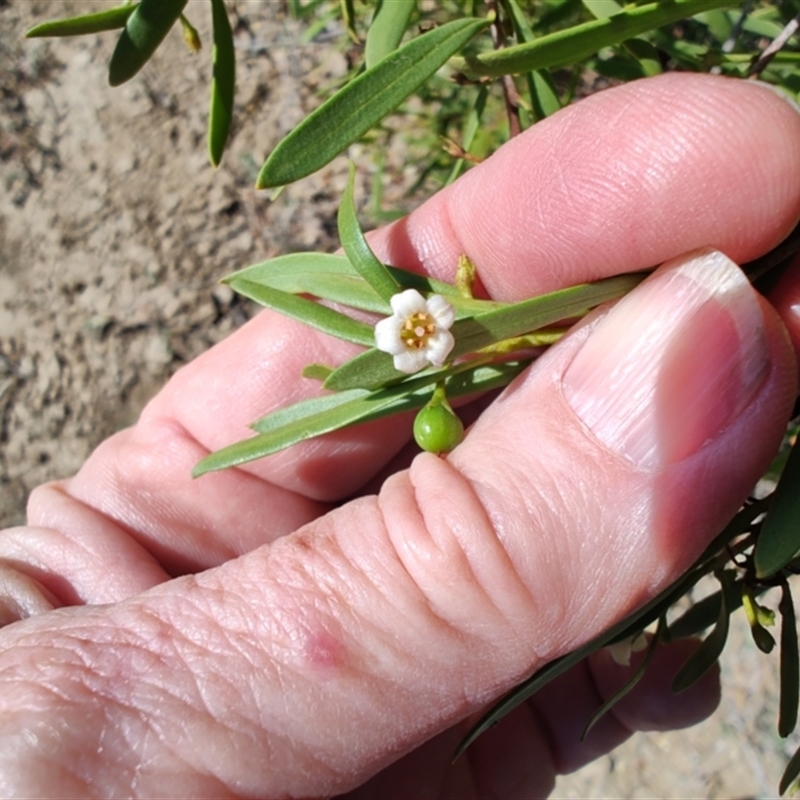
(673,363)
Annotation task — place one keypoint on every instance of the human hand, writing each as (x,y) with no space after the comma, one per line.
(310,643)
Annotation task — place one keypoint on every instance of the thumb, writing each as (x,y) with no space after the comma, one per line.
(306,666)
(607,470)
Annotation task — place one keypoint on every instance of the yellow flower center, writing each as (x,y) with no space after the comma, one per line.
(417,329)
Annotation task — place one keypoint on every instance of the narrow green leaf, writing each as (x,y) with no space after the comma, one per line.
(790,665)
(529,315)
(461,381)
(374,368)
(719,24)
(629,684)
(779,540)
(688,54)
(471,126)
(790,773)
(329,277)
(785,58)
(223,80)
(386,29)
(333,277)
(761,26)
(317,416)
(349,17)
(318,25)
(363,102)
(602,9)
(108,20)
(542,90)
(545,95)
(567,47)
(356,407)
(645,54)
(305,410)
(618,67)
(144,31)
(699,617)
(705,613)
(474,118)
(307,311)
(709,651)
(356,247)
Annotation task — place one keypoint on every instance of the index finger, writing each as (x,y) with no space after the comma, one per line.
(621,181)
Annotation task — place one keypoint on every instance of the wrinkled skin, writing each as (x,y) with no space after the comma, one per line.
(260,633)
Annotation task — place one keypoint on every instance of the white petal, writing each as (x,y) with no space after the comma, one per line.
(387,336)
(621,652)
(441,311)
(439,347)
(407,303)
(410,361)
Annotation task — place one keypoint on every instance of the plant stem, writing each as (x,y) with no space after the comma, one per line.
(510,93)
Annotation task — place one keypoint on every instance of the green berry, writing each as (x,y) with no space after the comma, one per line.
(437,429)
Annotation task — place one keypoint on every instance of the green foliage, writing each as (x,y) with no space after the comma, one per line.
(779,542)
(492,327)
(564,48)
(144,26)
(630,684)
(313,314)
(363,102)
(220,115)
(320,415)
(109,20)
(707,655)
(549,44)
(387,28)
(333,278)
(789,665)
(375,274)
(144,31)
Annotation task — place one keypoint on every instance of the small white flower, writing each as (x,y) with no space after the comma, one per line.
(621,651)
(417,334)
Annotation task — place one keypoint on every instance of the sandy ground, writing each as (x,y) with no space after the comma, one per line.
(113,233)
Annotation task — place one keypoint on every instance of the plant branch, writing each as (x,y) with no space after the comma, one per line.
(736,31)
(510,93)
(774,48)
